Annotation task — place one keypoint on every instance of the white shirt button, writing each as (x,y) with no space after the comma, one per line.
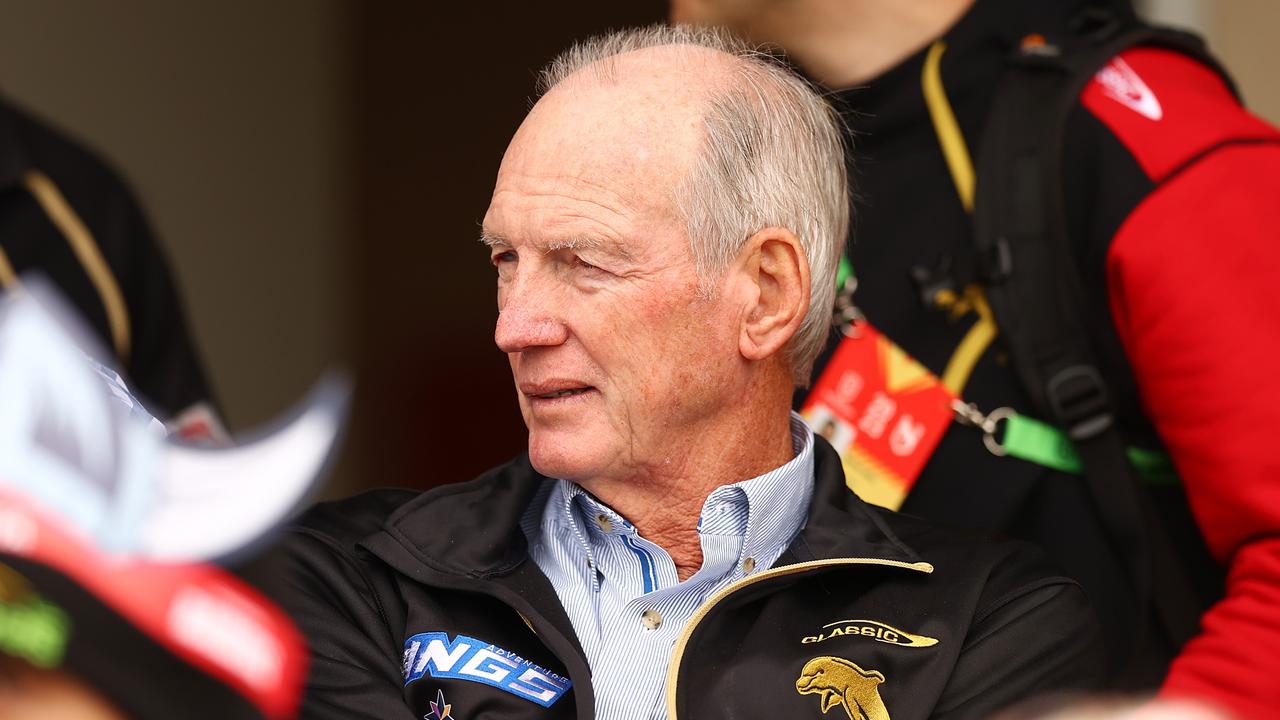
(603,522)
(651,619)
(748,566)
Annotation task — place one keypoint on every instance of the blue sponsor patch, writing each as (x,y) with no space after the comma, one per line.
(466,658)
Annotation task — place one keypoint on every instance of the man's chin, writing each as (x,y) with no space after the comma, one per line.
(562,458)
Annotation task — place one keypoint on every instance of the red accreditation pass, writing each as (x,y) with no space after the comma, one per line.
(882,411)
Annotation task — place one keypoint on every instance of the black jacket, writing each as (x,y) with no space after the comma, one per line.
(865,604)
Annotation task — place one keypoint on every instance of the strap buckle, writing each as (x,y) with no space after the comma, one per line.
(969,414)
(1079,398)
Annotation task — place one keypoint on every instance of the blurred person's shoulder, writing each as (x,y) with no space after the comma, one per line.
(1168,109)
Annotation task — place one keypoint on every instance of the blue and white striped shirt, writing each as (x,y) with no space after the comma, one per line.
(621,591)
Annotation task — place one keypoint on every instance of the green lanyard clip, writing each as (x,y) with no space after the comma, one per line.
(1005,432)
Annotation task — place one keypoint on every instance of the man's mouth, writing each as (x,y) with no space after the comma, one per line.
(562,393)
(554,389)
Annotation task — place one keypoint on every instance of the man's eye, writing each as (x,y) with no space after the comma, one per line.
(505,264)
(579,262)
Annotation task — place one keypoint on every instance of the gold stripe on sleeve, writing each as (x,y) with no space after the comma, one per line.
(89,254)
(8,278)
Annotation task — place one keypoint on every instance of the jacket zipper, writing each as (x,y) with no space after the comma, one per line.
(677,654)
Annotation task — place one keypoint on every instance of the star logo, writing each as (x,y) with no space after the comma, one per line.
(439,708)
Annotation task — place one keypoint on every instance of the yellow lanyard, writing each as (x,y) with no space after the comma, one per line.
(956,153)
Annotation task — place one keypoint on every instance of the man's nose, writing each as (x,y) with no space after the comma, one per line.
(528,318)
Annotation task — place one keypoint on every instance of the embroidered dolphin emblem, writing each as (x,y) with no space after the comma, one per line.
(841,682)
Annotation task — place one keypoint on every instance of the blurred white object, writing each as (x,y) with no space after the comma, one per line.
(74,438)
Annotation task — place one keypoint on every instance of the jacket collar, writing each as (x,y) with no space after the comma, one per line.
(840,524)
(469,530)
(472,530)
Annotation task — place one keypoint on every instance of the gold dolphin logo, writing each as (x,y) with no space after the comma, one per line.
(841,682)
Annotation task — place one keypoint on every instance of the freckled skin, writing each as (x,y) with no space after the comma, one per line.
(675,408)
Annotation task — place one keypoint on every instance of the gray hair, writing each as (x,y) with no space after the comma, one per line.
(773,156)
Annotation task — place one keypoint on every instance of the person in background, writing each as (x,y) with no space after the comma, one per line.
(65,213)
(1169,191)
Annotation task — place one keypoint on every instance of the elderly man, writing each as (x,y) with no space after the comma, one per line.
(665,228)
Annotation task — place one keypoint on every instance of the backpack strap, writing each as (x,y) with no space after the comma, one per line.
(1034,289)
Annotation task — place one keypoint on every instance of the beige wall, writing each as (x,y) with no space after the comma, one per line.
(228,119)
(1242,33)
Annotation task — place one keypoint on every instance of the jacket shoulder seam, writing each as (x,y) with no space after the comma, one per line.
(1210,151)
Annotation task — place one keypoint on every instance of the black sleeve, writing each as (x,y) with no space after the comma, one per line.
(1039,638)
(355,664)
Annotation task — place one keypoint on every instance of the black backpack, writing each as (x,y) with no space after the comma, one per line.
(1022,247)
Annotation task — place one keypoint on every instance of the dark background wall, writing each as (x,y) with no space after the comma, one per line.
(438,97)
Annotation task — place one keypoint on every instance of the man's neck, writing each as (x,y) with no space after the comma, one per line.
(843,43)
(663,500)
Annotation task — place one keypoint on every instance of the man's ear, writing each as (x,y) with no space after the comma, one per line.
(775,272)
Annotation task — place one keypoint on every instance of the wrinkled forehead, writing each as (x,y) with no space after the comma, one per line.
(630,125)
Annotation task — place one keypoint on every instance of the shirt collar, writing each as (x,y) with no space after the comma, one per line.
(767,511)
(497,543)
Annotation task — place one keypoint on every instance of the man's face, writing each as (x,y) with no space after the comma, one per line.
(617,357)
